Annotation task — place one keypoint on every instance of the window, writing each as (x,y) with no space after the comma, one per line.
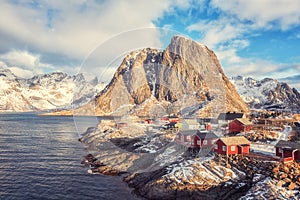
(205,142)
(188,137)
(280,150)
(232,148)
(216,146)
(199,142)
(223,148)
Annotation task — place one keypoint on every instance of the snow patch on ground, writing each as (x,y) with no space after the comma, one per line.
(267,189)
(267,149)
(200,172)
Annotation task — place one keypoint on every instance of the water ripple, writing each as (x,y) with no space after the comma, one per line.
(40,159)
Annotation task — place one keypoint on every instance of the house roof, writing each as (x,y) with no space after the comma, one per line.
(235,140)
(205,119)
(230,116)
(206,135)
(189,132)
(244,121)
(190,121)
(288,144)
(172,117)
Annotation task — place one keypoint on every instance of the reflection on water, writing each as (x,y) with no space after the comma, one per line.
(40,159)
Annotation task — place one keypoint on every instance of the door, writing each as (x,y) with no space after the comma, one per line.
(240,150)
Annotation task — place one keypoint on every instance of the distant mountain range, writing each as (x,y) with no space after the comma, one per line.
(186,77)
(267,93)
(44,92)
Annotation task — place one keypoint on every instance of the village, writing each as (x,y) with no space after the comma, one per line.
(271,135)
(231,154)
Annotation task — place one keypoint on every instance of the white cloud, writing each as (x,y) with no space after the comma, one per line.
(24,59)
(76,27)
(219,31)
(23,63)
(254,67)
(21,58)
(237,20)
(263,14)
(23,73)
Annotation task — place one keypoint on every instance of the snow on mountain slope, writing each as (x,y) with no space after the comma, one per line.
(44,92)
(267,93)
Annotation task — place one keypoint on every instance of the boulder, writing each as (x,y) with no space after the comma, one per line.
(283,176)
(291,186)
(280,183)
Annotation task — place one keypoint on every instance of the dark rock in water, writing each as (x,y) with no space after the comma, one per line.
(97,166)
(90,158)
(89,130)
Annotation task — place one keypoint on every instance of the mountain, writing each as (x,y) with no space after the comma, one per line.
(185,77)
(43,92)
(267,93)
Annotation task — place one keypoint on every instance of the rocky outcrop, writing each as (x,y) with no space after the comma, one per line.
(287,175)
(192,179)
(253,178)
(186,74)
(98,167)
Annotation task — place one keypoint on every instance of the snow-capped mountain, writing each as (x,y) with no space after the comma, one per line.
(267,93)
(44,92)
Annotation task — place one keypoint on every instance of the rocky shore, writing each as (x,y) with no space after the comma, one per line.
(98,167)
(157,168)
(253,179)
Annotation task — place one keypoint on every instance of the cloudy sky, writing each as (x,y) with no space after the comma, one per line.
(257,38)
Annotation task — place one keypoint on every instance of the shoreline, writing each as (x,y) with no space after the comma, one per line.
(222,178)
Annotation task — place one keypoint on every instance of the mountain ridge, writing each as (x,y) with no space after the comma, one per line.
(267,93)
(43,92)
(185,74)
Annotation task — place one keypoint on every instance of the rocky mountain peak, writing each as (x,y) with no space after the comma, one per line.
(267,93)
(185,74)
(4,72)
(179,45)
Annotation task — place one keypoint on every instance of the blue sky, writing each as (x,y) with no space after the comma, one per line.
(257,38)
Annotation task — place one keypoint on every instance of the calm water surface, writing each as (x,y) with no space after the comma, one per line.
(40,159)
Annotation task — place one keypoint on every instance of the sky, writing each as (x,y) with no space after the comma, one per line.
(256,38)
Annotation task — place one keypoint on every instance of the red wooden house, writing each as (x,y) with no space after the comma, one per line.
(240,125)
(232,145)
(196,138)
(288,150)
(149,121)
(170,119)
(174,119)
(225,118)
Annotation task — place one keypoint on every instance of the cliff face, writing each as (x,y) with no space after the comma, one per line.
(207,64)
(185,77)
